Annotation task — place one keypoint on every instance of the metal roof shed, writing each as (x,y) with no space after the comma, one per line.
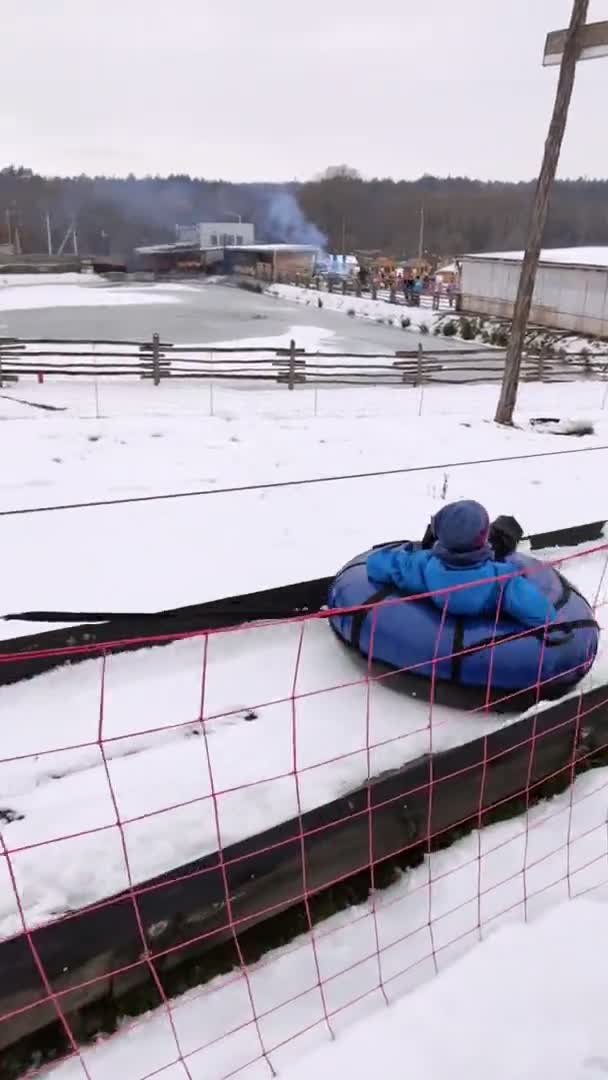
(571,291)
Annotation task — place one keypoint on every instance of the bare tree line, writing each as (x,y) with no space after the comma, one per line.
(117,214)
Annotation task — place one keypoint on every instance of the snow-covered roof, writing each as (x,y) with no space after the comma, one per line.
(451,268)
(576,256)
(160,249)
(296,248)
(183,245)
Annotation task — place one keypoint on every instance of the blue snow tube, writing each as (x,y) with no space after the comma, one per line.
(469,653)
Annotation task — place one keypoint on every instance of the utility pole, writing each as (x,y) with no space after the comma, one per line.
(49,235)
(344,236)
(573,43)
(421,238)
(74,237)
(9,230)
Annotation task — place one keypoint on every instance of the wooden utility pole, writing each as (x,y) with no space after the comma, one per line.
(523,302)
(421,238)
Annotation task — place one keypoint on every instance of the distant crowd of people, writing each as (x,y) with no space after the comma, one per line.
(412,285)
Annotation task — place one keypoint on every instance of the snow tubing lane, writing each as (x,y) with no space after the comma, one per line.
(471,652)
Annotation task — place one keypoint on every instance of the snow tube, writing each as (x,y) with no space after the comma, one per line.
(470,655)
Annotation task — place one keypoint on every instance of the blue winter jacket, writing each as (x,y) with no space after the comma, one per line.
(421,571)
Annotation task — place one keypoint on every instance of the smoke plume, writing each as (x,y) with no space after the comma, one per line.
(285,223)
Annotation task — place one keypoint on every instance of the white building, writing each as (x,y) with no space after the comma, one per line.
(216,234)
(571,291)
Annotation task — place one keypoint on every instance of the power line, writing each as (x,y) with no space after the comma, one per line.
(297,483)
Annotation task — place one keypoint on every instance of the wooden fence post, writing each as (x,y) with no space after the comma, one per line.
(541,365)
(156,359)
(291,374)
(1,382)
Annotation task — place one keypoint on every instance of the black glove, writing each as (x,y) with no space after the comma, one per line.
(429,537)
(505,534)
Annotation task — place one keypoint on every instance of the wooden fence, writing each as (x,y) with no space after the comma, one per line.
(157,360)
(444,297)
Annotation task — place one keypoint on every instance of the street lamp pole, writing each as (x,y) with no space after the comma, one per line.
(570,47)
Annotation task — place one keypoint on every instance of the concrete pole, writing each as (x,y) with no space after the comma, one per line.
(523,302)
(49,240)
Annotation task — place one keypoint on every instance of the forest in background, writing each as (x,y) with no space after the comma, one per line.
(339,209)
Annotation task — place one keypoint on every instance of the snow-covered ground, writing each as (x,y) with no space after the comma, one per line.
(309,701)
(508,1010)
(530,1001)
(121,440)
(150,556)
(23,291)
(364,307)
(427,321)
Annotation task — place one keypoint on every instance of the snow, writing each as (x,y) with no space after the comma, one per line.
(54,773)
(150,440)
(506,1011)
(361,306)
(27,291)
(296,248)
(575,256)
(528,1001)
(185,436)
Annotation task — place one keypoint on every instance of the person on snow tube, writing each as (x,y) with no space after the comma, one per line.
(461,555)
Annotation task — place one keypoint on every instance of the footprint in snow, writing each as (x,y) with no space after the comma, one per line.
(236,715)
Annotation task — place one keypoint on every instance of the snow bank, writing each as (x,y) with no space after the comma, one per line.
(490,333)
(360,306)
(529,1002)
(71,278)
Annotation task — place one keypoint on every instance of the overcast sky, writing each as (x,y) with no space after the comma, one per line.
(277,89)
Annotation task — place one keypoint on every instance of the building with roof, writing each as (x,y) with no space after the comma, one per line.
(269,262)
(448,274)
(571,291)
(216,234)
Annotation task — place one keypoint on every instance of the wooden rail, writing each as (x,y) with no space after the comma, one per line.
(157,361)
